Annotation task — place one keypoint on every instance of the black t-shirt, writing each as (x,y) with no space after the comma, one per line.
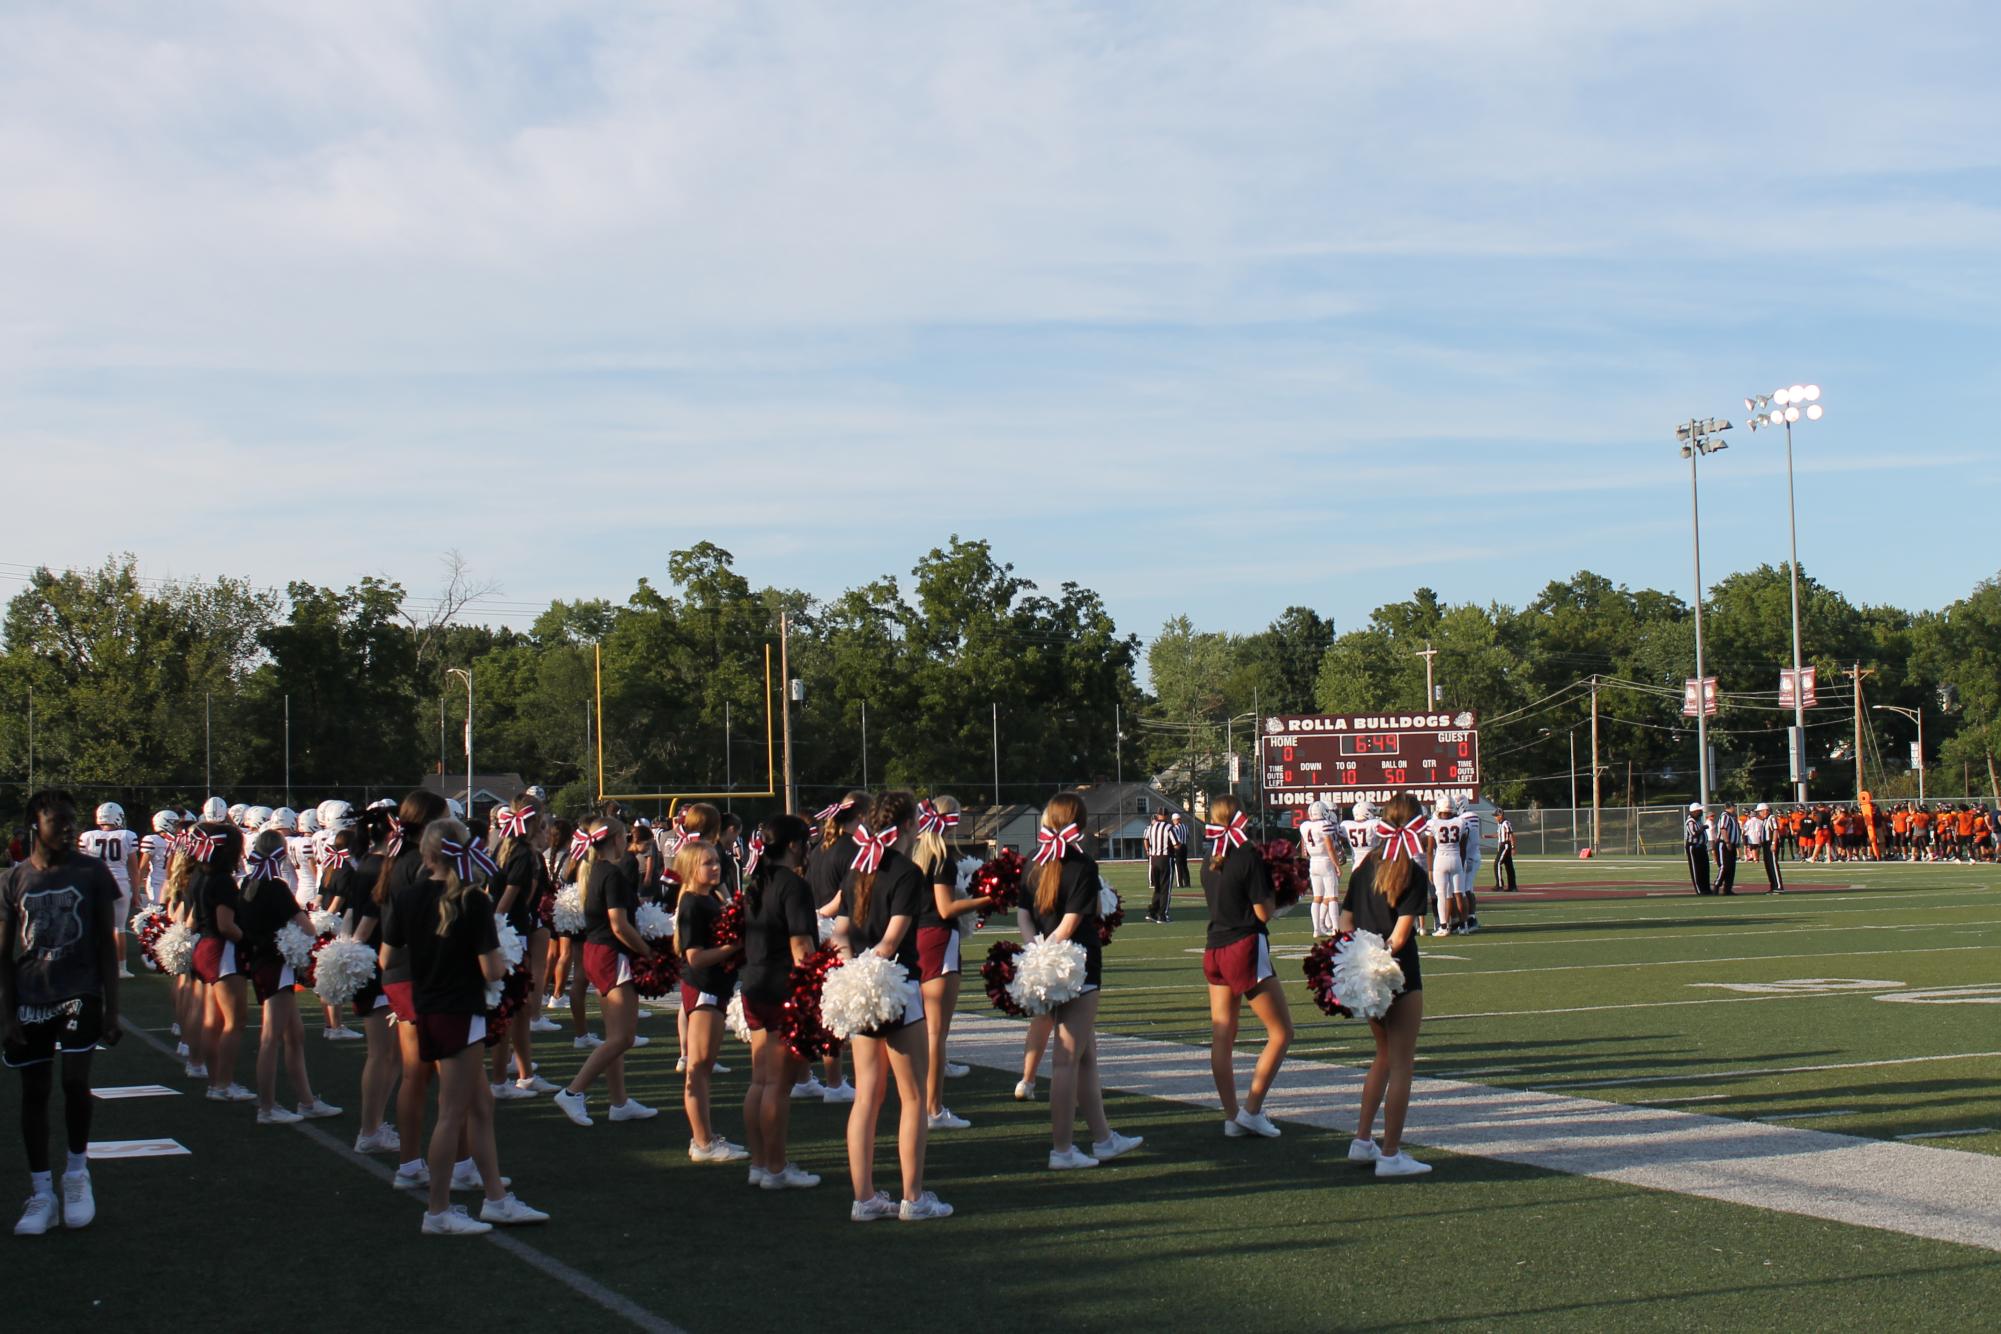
(444,970)
(782,909)
(945,873)
(1373,912)
(209,890)
(409,885)
(49,919)
(827,869)
(263,909)
(612,885)
(899,891)
(1077,892)
(1231,890)
(524,869)
(353,885)
(695,929)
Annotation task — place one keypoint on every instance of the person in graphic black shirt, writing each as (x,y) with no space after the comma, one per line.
(58,993)
(881,897)
(1237,962)
(611,942)
(1387,894)
(1060,901)
(826,866)
(780,929)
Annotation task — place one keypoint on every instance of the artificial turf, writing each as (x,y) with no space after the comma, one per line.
(265,1226)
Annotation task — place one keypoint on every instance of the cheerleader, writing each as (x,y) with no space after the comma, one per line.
(566,974)
(451,951)
(780,929)
(707,980)
(519,887)
(401,888)
(190,996)
(268,907)
(1059,901)
(881,897)
(352,866)
(941,923)
(1236,961)
(1386,895)
(215,848)
(826,866)
(611,897)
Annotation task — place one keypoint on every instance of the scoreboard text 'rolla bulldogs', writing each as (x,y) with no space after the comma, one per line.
(1342,758)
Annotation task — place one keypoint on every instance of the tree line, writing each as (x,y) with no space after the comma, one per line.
(154,692)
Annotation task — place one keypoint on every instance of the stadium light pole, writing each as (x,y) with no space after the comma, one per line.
(1917,716)
(465,674)
(1697,439)
(1782,407)
(1572,735)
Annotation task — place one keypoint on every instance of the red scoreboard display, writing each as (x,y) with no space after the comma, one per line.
(1342,758)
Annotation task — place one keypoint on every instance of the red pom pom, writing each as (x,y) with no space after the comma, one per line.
(309,975)
(1289,880)
(1319,969)
(656,976)
(997,972)
(1000,880)
(150,931)
(513,995)
(729,929)
(804,1033)
(1112,922)
(545,911)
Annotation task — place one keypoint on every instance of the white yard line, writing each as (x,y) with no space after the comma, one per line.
(1684,963)
(1916,1190)
(1770,1070)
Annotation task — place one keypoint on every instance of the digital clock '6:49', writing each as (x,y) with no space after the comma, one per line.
(1369,743)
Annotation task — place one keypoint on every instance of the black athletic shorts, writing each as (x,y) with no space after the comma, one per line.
(72,1026)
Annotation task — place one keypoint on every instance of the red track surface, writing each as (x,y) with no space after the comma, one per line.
(1613,889)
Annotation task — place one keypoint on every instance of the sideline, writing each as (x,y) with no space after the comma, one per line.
(1940,1194)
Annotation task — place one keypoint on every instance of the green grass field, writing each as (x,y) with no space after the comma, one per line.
(1787,1010)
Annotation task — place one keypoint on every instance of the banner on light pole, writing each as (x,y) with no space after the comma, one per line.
(1808,688)
(1689,690)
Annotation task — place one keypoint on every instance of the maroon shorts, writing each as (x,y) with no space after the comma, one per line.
(937,951)
(273,978)
(215,959)
(443,1036)
(693,999)
(1239,966)
(760,1015)
(606,967)
(402,1000)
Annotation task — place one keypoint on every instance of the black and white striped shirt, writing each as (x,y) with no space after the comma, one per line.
(1160,839)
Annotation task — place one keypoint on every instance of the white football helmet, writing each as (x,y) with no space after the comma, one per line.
(458,812)
(237,813)
(215,810)
(285,820)
(336,816)
(1446,806)
(309,822)
(165,822)
(256,817)
(110,816)
(1364,811)
(382,804)
(1317,811)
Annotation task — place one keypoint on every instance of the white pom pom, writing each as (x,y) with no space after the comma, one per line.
(342,967)
(326,923)
(739,1026)
(654,922)
(143,919)
(1367,977)
(493,990)
(512,947)
(295,944)
(176,949)
(968,868)
(826,929)
(866,993)
(1108,898)
(569,910)
(1047,973)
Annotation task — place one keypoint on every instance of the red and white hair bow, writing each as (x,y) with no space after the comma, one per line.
(1231,835)
(201,844)
(755,855)
(395,845)
(335,859)
(514,823)
(1400,839)
(931,820)
(466,858)
(581,841)
(872,846)
(1051,844)
(267,865)
(826,813)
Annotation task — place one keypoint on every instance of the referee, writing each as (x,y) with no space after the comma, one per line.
(1729,837)
(1761,836)
(1695,838)
(1504,855)
(1160,868)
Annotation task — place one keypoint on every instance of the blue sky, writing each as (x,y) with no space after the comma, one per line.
(1213,308)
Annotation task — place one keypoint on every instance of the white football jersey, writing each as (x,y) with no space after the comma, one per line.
(1360,836)
(158,856)
(115,848)
(1471,819)
(305,865)
(1449,833)
(1318,839)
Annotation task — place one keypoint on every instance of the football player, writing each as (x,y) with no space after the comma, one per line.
(118,848)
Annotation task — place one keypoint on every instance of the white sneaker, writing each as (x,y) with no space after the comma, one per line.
(758,1176)
(383,1139)
(680,1065)
(717,1150)
(1364,1151)
(278,1116)
(953,1070)
(841,1092)
(319,1109)
(794,1177)
(587,1041)
(181,1050)
(809,1087)
(715,1067)
(1400,1164)
(509,1091)
(926,1206)
(640,1041)
(454,1222)
(1070,1159)
(535,1084)
(231,1093)
(123,971)
(79,1205)
(572,1105)
(942,1119)
(1256,1123)
(1442,931)
(544,1024)
(1024,1092)
(41,1213)
(342,1034)
(193,1071)
(417,1180)
(867,1211)
(632,1109)
(510,1212)
(175,1029)
(1231,1130)
(1107,1149)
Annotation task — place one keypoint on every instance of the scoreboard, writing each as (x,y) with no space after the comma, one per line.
(1345,758)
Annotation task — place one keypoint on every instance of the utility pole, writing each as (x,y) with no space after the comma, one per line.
(1595,804)
(785,700)
(288,750)
(864,745)
(208,743)
(997,794)
(1856,674)
(1430,692)
(729,783)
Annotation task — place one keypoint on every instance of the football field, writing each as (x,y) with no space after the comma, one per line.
(1646,1110)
